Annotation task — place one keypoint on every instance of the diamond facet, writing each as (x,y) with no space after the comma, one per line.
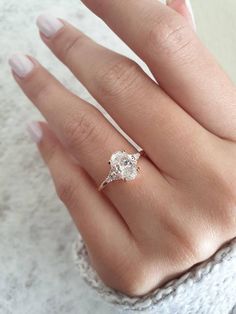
(123,166)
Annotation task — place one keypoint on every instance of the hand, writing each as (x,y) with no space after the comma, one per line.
(182,206)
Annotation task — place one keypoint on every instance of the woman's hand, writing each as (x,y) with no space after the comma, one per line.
(181,207)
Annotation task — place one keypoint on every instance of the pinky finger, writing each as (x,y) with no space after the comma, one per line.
(184,8)
(103,230)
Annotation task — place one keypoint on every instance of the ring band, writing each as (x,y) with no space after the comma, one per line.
(123,167)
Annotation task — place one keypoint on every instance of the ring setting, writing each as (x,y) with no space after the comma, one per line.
(123,166)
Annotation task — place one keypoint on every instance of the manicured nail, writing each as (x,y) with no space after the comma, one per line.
(35,131)
(48,24)
(21,64)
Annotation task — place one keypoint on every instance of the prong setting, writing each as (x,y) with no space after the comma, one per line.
(123,166)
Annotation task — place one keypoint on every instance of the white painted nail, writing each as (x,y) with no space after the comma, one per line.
(189,6)
(35,131)
(48,24)
(21,64)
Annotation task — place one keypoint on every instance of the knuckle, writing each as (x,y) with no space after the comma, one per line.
(198,247)
(226,209)
(136,279)
(80,130)
(65,190)
(71,46)
(170,38)
(222,195)
(119,78)
(131,286)
(190,243)
(85,129)
(40,88)
(131,275)
(136,282)
(50,155)
(216,199)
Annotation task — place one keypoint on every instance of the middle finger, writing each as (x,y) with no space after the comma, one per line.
(90,138)
(125,91)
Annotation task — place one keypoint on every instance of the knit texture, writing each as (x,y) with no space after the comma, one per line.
(209,287)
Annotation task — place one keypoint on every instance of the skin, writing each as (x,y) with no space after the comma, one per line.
(181,208)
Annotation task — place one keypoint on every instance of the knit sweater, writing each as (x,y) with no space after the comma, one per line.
(207,288)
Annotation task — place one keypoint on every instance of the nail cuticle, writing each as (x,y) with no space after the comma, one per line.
(49,25)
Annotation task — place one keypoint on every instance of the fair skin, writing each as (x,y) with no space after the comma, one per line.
(182,206)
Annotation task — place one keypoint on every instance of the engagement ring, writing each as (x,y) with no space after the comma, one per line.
(123,167)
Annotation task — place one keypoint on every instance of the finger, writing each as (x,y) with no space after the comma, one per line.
(185,9)
(126,93)
(80,127)
(181,64)
(102,228)
(89,137)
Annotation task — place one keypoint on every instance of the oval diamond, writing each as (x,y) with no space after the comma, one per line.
(123,166)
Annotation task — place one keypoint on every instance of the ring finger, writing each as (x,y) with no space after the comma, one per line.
(86,133)
(127,93)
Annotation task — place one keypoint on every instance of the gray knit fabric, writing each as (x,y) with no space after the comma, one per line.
(210,287)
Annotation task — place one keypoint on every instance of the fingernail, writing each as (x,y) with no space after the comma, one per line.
(35,131)
(48,24)
(21,65)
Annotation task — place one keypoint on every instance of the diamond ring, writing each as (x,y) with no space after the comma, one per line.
(123,167)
